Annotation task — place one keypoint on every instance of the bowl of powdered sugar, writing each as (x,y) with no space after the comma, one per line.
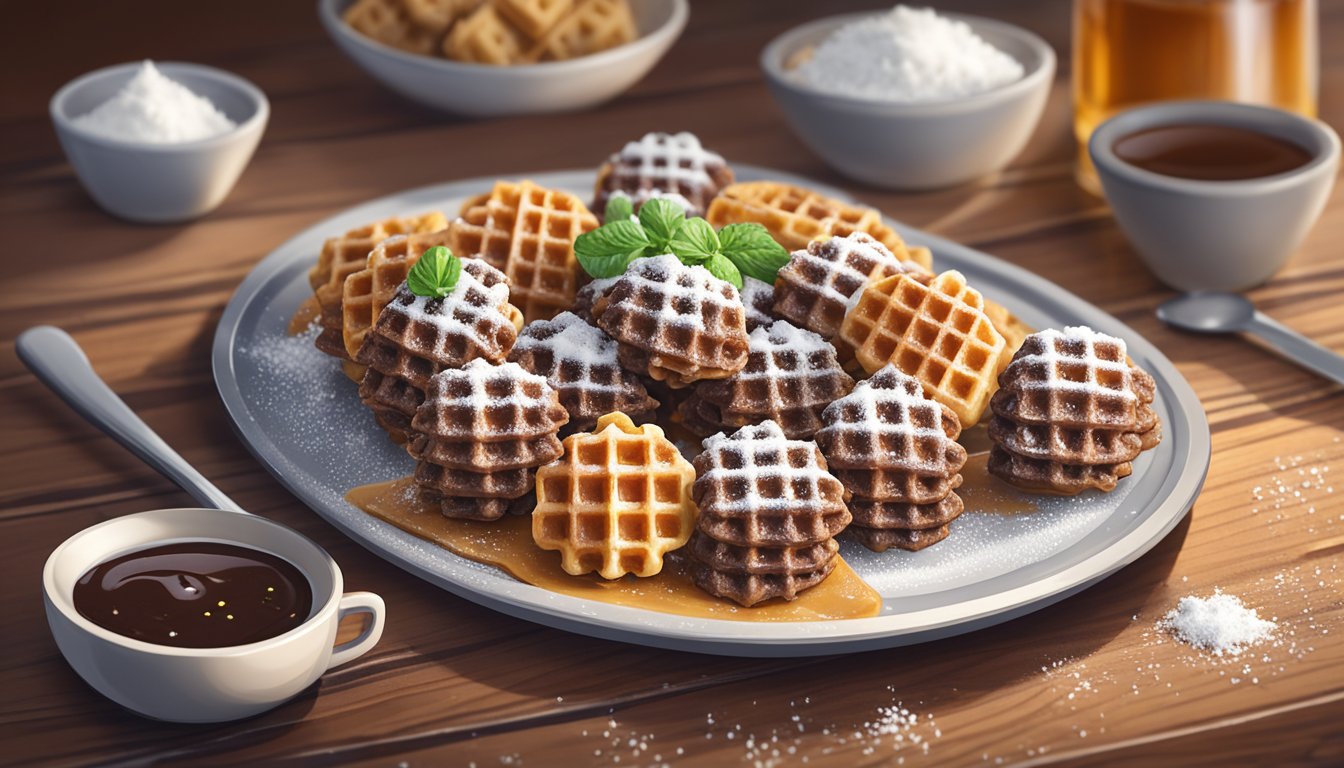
(908,98)
(159,143)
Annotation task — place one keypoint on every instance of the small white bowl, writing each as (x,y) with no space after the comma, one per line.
(921,145)
(159,183)
(1216,235)
(203,685)
(481,90)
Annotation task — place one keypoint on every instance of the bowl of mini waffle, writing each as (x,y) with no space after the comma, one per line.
(486,58)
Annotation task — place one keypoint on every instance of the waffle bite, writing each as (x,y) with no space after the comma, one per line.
(936,332)
(579,361)
(758,301)
(813,289)
(790,377)
(675,166)
(527,232)
(349,253)
(1071,413)
(592,26)
(895,451)
(391,23)
(769,512)
(675,323)
(616,502)
(366,292)
(586,297)
(795,216)
(418,336)
(479,436)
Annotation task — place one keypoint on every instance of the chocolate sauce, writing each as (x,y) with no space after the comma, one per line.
(195,594)
(1209,152)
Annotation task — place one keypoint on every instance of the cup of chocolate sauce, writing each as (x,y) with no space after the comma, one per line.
(1214,195)
(200,615)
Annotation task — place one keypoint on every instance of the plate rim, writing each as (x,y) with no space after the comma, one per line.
(745,638)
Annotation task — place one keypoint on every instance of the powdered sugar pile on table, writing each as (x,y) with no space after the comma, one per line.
(907,55)
(1219,624)
(155,109)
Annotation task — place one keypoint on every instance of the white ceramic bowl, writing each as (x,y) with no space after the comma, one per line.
(203,685)
(1216,235)
(914,146)
(480,90)
(159,183)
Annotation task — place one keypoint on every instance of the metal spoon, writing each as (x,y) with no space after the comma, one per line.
(1231,313)
(58,362)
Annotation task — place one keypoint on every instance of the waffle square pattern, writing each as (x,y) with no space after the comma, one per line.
(663,165)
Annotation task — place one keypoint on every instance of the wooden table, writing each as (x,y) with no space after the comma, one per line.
(1085,682)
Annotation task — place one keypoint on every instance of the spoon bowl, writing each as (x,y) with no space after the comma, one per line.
(1207,312)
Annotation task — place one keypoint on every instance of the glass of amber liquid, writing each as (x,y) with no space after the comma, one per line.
(1130,52)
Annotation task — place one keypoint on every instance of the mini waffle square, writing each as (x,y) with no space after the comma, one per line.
(592,26)
(389,22)
(662,164)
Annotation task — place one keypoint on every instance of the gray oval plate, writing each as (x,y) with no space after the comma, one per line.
(301,418)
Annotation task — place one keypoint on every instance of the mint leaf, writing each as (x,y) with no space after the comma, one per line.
(750,247)
(435,274)
(619,208)
(609,249)
(724,269)
(661,219)
(695,242)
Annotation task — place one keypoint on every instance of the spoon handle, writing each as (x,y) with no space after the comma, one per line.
(1297,347)
(57,360)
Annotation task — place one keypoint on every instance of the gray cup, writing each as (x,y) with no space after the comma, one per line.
(1216,235)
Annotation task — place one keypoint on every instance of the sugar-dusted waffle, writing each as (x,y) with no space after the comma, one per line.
(1071,413)
(895,451)
(935,331)
(662,164)
(796,216)
(675,323)
(366,292)
(616,502)
(579,360)
(813,289)
(417,336)
(790,377)
(479,435)
(758,300)
(586,297)
(528,233)
(592,26)
(344,255)
(390,22)
(769,512)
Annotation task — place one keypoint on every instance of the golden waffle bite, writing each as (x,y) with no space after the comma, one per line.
(616,502)
(1071,413)
(579,360)
(533,17)
(417,336)
(528,233)
(486,37)
(795,216)
(663,165)
(592,26)
(768,513)
(366,292)
(675,323)
(938,333)
(390,22)
(478,435)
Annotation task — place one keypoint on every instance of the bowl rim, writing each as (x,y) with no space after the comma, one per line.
(778,50)
(65,604)
(1211,111)
(261,108)
(668,31)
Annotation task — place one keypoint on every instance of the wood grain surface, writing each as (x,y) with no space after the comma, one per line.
(1085,682)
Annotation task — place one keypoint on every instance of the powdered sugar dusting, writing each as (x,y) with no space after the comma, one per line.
(480,378)
(480,295)
(757,452)
(846,263)
(782,339)
(679,286)
(1219,624)
(862,410)
(678,156)
(572,341)
(1105,376)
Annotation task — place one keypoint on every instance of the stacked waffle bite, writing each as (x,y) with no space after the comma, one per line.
(671,166)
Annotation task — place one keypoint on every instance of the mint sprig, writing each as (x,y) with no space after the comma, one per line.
(436,274)
(734,251)
(619,208)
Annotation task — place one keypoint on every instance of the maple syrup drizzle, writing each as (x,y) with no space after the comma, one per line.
(304,316)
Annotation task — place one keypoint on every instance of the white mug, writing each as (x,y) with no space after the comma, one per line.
(203,685)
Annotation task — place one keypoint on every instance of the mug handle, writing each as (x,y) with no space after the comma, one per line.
(351,604)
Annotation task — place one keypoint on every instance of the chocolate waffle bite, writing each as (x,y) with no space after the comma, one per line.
(1071,413)
(769,512)
(586,297)
(675,323)
(579,361)
(790,377)
(895,451)
(758,301)
(674,166)
(418,336)
(367,291)
(616,502)
(813,289)
(479,436)
(936,331)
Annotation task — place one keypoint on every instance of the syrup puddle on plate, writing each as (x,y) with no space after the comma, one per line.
(984,493)
(507,544)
